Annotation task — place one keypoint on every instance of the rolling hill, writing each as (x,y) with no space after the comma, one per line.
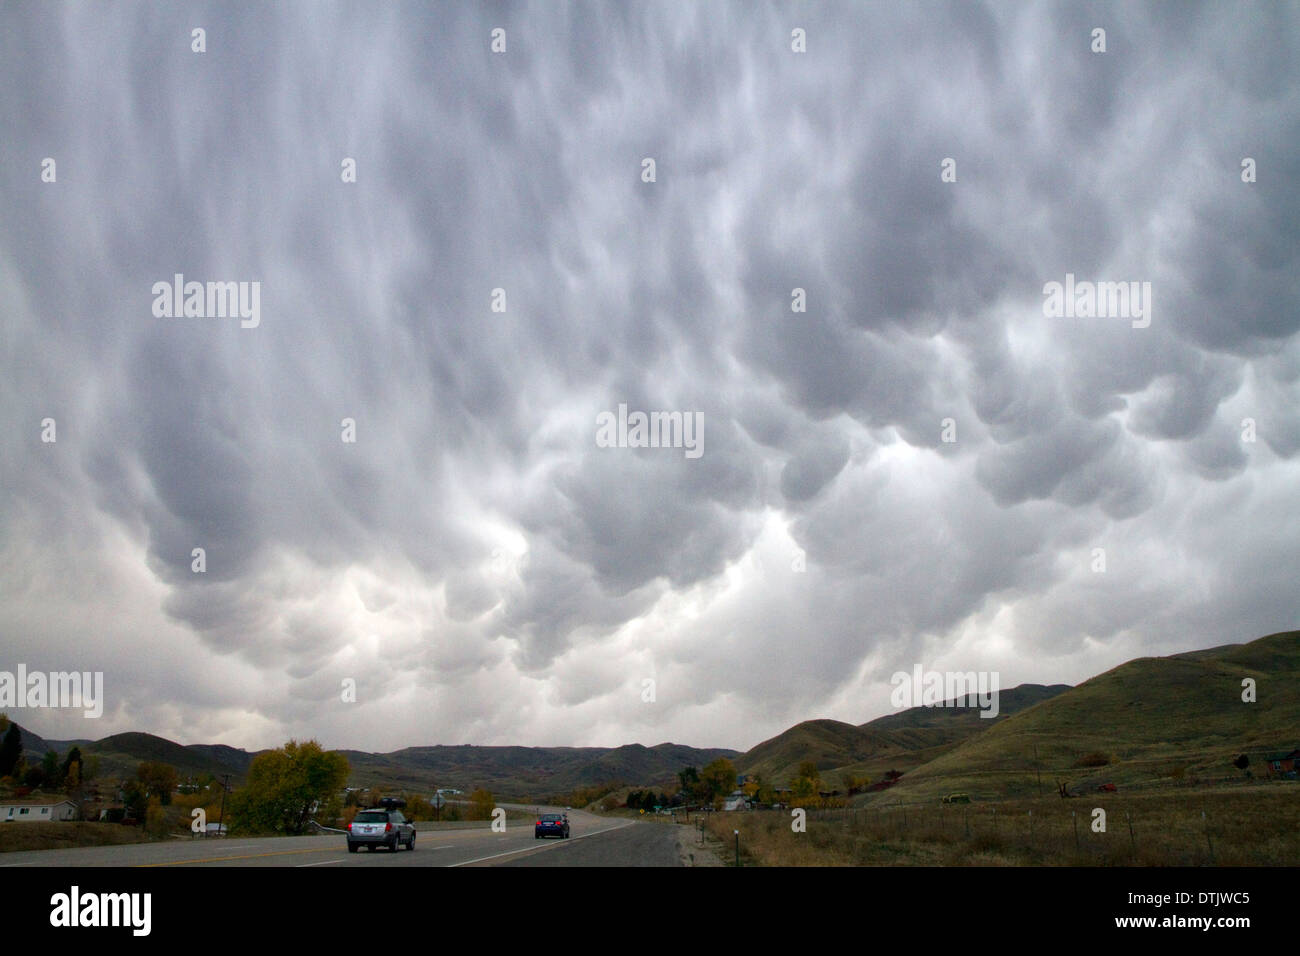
(120,754)
(898,741)
(1154,720)
(828,743)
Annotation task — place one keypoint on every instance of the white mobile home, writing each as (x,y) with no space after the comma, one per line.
(30,810)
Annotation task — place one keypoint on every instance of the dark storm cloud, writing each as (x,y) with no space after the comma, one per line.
(483,569)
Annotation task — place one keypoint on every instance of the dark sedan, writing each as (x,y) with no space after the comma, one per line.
(551,824)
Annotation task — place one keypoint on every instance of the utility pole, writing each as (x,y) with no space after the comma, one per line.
(221,822)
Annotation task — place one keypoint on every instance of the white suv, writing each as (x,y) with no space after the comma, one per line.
(381,826)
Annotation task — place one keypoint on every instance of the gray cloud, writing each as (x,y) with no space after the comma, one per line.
(474,560)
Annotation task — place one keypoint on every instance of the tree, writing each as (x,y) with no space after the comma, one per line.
(74,756)
(155,818)
(717,779)
(70,772)
(284,785)
(481,805)
(807,783)
(689,778)
(72,781)
(158,780)
(135,800)
(50,768)
(11,748)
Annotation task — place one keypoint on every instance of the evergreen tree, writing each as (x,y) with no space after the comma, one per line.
(11,750)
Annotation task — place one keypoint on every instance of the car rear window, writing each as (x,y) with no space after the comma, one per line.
(550,817)
(372,816)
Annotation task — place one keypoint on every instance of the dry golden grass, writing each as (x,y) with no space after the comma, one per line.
(1244,826)
(60,835)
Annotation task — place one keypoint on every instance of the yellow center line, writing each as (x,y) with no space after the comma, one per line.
(246,856)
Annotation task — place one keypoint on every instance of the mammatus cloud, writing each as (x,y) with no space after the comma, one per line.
(838,265)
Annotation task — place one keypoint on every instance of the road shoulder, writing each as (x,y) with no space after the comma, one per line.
(689,851)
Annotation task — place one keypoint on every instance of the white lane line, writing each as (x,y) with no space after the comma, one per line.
(533,849)
(322,863)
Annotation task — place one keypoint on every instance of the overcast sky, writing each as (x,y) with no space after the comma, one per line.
(474,560)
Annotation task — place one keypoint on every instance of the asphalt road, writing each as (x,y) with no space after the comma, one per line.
(593,841)
(638,844)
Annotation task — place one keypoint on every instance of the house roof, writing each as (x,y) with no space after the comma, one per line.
(29,802)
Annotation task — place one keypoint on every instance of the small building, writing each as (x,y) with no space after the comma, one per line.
(736,800)
(1282,764)
(37,809)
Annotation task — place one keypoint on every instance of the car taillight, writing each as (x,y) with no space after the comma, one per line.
(387,827)
(539,823)
(349,828)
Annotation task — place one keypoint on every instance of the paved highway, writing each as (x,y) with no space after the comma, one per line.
(593,841)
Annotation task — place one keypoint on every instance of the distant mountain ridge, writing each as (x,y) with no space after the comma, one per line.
(524,772)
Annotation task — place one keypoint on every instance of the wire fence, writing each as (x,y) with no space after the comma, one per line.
(1231,828)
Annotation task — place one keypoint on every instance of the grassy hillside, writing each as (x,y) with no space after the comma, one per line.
(957,720)
(120,754)
(900,741)
(1155,721)
(828,743)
